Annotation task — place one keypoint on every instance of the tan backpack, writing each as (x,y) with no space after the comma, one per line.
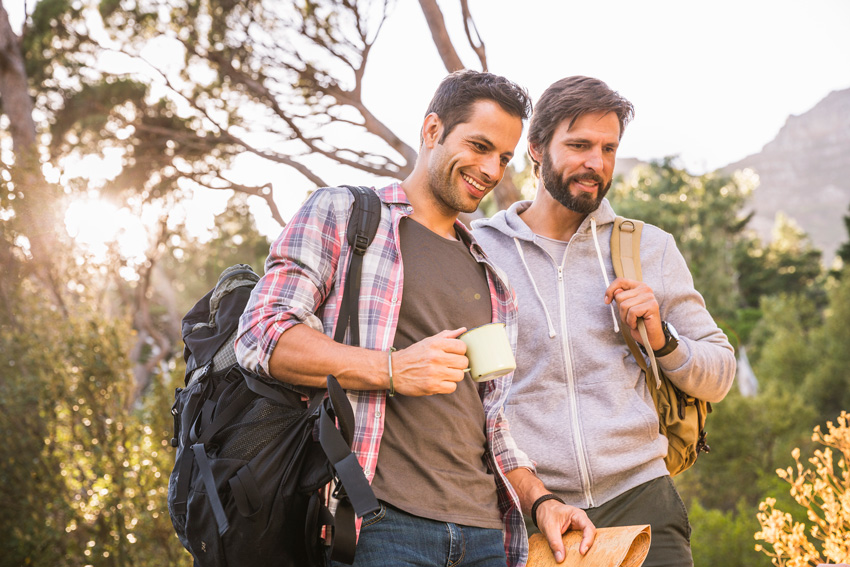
(681,418)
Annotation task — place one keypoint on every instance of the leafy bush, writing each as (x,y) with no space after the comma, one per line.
(823,492)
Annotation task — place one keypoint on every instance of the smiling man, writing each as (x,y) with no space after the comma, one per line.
(434,445)
(579,405)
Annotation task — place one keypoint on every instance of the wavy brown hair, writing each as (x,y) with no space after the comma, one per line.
(569,99)
(459,91)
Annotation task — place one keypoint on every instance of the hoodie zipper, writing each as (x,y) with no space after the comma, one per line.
(583,466)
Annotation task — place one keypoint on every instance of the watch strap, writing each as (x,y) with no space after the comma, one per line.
(670,344)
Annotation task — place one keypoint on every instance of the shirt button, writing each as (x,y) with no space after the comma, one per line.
(378,413)
(366,472)
(395,299)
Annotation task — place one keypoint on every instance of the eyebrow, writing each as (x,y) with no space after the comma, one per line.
(578,140)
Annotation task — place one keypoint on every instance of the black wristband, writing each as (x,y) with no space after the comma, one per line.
(540,501)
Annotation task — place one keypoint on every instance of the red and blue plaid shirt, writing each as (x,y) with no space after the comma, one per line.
(302,284)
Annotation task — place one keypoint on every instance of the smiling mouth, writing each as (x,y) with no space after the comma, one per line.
(474,183)
(588,184)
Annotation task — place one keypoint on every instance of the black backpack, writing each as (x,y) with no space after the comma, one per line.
(252,457)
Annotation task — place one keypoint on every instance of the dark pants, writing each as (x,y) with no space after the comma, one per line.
(658,504)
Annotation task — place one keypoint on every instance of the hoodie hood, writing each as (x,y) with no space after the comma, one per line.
(510,224)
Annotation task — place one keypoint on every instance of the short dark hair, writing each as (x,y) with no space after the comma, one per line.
(459,91)
(572,98)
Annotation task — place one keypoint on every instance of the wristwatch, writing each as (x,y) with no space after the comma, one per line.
(672,338)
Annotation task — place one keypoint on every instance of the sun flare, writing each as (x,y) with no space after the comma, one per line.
(98,226)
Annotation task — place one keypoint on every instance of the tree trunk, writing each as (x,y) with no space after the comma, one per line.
(506,192)
(17,104)
(35,202)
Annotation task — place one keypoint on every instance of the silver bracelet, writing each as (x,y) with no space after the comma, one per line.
(390,370)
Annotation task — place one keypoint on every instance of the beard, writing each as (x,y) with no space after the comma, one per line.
(559,188)
(445,190)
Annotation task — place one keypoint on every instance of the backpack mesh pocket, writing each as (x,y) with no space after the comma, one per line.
(261,423)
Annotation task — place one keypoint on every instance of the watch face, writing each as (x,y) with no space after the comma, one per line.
(672,330)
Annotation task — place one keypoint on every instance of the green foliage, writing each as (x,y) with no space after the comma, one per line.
(788,264)
(83,477)
(702,212)
(749,437)
(844,250)
(725,538)
(801,347)
(193,267)
(780,350)
(107,7)
(88,112)
(46,42)
(827,384)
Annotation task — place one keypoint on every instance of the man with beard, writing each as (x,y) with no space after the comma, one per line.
(433,444)
(579,405)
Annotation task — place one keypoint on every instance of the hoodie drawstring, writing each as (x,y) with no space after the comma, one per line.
(604,273)
(534,285)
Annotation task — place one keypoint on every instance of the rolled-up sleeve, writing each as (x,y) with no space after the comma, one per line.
(508,456)
(299,274)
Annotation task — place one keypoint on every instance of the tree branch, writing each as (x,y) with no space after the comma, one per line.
(477,43)
(262,191)
(143,370)
(440,35)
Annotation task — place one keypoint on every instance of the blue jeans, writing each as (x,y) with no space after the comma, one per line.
(392,538)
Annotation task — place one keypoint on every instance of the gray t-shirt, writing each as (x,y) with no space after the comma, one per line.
(431,461)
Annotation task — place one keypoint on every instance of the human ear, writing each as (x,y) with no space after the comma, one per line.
(534,153)
(432,130)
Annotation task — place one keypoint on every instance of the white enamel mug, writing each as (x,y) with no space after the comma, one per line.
(489,352)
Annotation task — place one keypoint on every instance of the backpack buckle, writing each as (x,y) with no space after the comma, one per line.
(361,243)
(339,489)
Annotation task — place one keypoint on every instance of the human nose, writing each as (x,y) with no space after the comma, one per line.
(492,168)
(594,159)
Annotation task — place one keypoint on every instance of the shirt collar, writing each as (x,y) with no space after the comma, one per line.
(393,194)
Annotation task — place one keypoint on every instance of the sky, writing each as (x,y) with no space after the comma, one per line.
(711,82)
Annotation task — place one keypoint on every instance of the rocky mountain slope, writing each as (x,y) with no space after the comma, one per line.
(805,173)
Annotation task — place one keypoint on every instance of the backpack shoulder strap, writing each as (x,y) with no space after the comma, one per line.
(356,497)
(625,248)
(625,256)
(365,216)
(362,227)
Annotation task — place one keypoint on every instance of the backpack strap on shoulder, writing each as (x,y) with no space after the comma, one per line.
(362,227)
(625,256)
(625,248)
(353,491)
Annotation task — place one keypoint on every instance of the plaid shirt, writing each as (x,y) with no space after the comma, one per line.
(302,284)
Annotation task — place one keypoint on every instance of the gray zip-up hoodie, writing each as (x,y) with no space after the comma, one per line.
(579,403)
